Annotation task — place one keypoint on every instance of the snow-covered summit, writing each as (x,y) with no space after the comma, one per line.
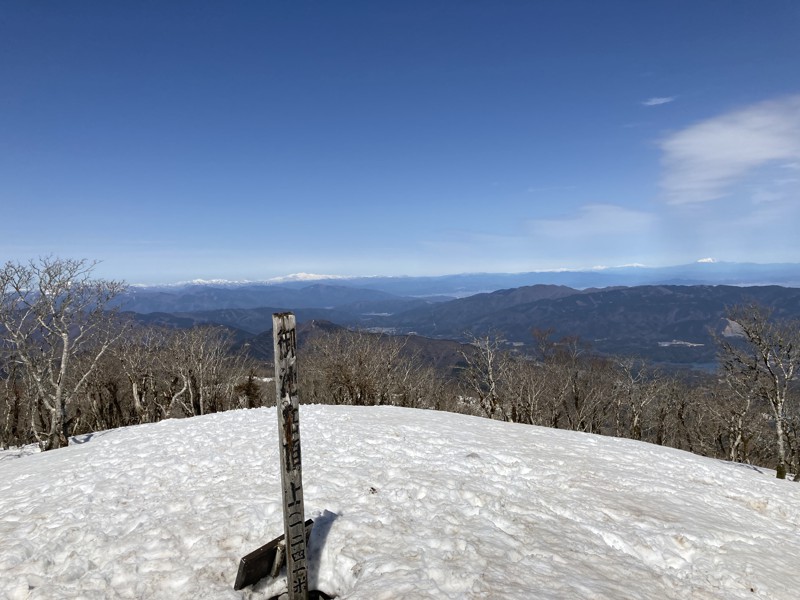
(231,283)
(195,282)
(304,277)
(409,504)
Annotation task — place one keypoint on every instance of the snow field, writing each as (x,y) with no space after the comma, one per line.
(408,504)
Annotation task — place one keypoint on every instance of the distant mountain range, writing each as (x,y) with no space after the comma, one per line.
(248,294)
(666,324)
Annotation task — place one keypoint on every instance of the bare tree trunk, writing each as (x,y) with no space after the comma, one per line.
(764,365)
(51,311)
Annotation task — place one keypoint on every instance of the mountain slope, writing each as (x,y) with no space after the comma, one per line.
(457,316)
(667,324)
(641,321)
(409,504)
(194,298)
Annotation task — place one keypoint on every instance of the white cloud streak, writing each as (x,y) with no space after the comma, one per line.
(702,162)
(658,100)
(595,220)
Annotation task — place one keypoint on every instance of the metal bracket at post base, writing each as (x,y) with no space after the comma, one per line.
(266,561)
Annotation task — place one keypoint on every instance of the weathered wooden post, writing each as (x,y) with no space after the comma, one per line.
(289,548)
(287,403)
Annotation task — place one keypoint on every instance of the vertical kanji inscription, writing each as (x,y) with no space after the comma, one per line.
(285,344)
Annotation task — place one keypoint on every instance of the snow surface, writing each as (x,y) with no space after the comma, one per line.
(409,504)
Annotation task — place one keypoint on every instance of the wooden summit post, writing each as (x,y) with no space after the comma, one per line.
(287,404)
(289,548)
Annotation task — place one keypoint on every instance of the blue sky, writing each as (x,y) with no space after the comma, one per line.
(246,140)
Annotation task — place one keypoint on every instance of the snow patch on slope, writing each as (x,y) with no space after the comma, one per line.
(409,504)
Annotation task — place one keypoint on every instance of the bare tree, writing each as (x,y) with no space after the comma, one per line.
(13,407)
(141,355)
(640,399)
(579,383)
(525,389)
(355,367)
(206,350)
(51,312)
(197,374)
(763,362)
(105,403)
(249,392)
(348,367)
(793,441)
(487,366)
(738,412)
(678,415)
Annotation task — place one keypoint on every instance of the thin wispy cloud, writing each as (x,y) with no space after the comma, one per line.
(658,100)
(550,188)
(594,220)
(765,196)
(703,162)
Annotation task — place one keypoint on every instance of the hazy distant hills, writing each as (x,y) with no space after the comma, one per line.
(190,298)
(702,273)
(665,323)
(331,292)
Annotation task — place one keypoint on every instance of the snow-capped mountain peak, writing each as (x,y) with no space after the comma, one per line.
(303,277)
